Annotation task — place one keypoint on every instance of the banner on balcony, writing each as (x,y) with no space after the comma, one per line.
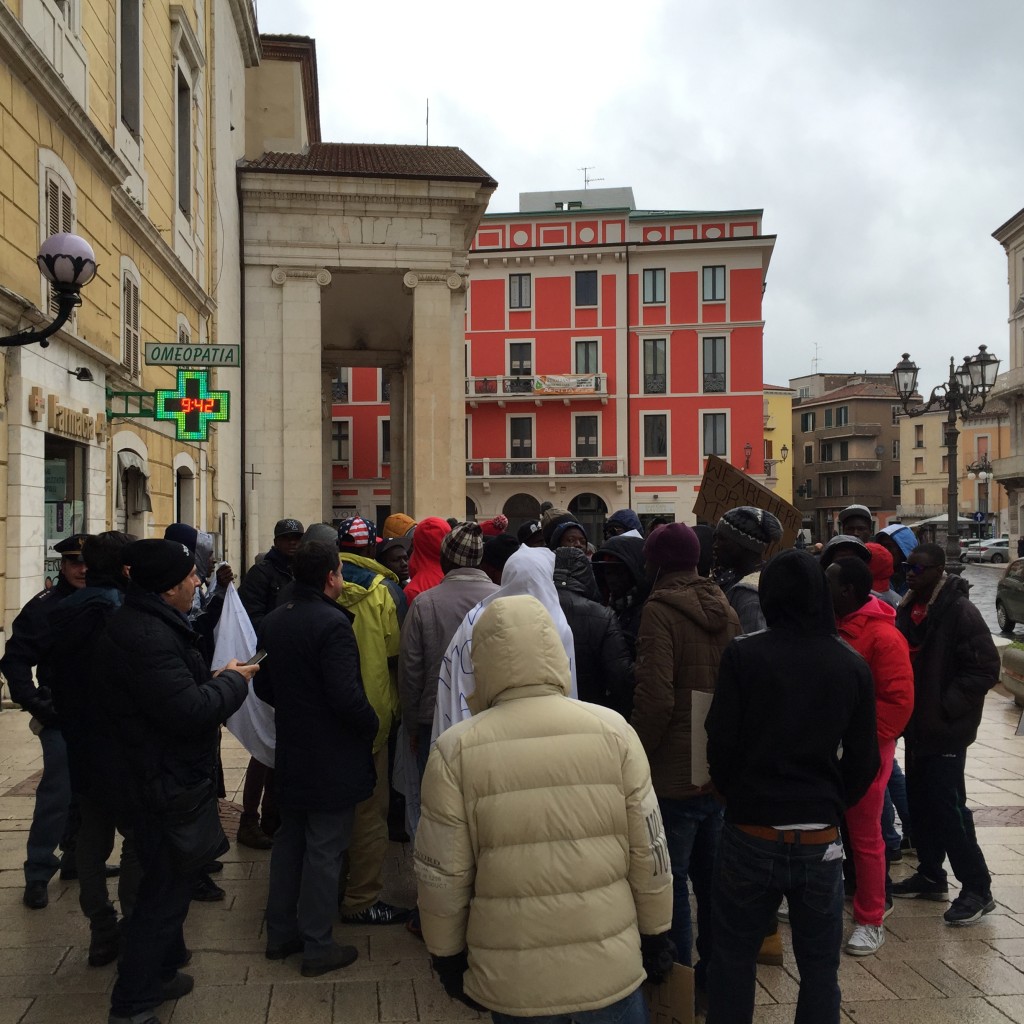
(564,384)
(725,487)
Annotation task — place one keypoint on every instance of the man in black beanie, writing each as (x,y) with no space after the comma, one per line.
(163,709)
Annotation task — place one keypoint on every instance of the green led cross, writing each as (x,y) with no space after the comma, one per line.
(191,405)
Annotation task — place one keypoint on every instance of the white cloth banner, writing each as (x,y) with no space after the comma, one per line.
(253,723)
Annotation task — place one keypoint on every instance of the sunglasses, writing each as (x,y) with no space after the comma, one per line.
(915,568)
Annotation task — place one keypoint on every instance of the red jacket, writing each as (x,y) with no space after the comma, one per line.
(871,631)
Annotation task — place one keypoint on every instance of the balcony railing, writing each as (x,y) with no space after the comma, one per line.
(714,383)
(537,385)
(486,468)
(654,384)
(339,390)
(850,466)
(847,430)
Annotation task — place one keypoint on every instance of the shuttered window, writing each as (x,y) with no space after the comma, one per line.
(130,334)
(60,219)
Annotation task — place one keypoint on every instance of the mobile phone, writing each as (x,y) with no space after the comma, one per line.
(256,658)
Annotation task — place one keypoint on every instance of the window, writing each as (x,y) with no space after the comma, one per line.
(895,450)
(130,66)
(60,218)
(918,495)
(586,287)
(895,486)
(654,286)
(804,392)
(655,435)
(714,365)
(520,442)
(339,385)
(714,284)
(520,365)
(184,496)
(842,416)
(714,434)
(826,451)
(808,454)
(385,384)
(895,412)
(130,331)
(830,487)
(339,441)
(806,421)
(655,370)
(945,464)
(586,356)
(919,465)
(586,437)
(844,486)
(184,145)
(828,417)
(918,435)
(844,450)
(385,442)
(520,291)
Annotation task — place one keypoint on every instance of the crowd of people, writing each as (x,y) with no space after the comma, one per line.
(571,730)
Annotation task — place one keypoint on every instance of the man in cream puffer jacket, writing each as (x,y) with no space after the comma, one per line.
(540,855)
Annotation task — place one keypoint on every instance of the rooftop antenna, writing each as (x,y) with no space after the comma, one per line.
(428,120)
(815,362)
(586,175)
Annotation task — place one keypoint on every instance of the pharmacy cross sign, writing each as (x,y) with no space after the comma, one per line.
(191,405)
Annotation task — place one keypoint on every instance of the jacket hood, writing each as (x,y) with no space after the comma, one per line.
(873,608)
(629,551)
(426,544)
(695,597)
(573,572)
(362,576)
(901,535)
(516,648)
(627,518)
(794,595)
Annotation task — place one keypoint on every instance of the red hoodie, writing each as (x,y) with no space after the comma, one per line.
(425,560)
(871,631)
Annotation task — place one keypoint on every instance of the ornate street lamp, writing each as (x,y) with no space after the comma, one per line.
(69,264)
(770,464)
(963,394)
(748,450)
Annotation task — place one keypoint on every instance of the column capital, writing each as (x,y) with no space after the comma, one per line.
(451,278)
(281,274)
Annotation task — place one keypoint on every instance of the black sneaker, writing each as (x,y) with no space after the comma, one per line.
(379,913)
(893,855)
(335,958)
(285,950)
(36,895)
(104,939)
(921,887)
(205,890)
(969,907)
(178,986)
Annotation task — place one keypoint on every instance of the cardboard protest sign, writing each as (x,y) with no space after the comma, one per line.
(725,487)
(672,1002)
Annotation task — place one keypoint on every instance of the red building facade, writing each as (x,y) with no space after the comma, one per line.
(608,351)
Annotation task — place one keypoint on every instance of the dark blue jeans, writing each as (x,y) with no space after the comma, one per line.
(751,877)
(50,813)
(943,823)
(631,1010)
(692,828)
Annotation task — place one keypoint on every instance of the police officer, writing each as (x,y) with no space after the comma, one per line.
(28,643)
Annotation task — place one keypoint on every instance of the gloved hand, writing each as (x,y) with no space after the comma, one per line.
(41,707)
(659,953)
(450,970)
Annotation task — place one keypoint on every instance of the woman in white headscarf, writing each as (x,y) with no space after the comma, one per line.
(528,571)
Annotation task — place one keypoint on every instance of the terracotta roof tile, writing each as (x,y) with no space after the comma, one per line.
(375,160)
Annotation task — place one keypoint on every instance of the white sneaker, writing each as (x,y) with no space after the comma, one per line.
(865,940)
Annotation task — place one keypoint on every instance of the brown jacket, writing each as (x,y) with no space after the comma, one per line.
(686,624)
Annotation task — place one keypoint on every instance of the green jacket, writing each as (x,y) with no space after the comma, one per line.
(367,597)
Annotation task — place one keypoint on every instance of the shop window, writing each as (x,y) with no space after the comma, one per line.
(64,473)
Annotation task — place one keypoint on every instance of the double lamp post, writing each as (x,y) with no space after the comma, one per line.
(965,393)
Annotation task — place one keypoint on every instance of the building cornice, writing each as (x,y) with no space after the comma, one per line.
(244,17)
(30,66)
(617,249)
(143,231)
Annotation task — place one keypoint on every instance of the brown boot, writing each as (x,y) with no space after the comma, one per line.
(770,953)
(250,834)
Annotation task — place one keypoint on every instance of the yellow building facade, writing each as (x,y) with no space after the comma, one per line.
(111,112)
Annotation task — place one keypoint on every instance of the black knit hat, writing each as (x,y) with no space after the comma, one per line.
(158,565)
(751,528)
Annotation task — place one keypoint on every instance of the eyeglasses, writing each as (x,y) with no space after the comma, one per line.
(916,568)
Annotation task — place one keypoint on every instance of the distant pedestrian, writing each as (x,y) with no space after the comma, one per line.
(742,537)
(425,559)
(624,523)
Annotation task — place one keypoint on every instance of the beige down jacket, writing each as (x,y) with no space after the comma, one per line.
(541,848)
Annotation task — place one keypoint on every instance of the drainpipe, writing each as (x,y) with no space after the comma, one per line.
(243,525)
(629,413)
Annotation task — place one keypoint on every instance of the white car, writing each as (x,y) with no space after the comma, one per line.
(996,550)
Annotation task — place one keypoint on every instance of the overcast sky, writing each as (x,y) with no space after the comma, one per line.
(882,138)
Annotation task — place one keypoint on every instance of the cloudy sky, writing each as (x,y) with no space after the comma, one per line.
(882,138)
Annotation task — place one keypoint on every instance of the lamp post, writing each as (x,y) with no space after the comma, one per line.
(770,464)
(68,264)
(965,392)
(748,450)
(981,470)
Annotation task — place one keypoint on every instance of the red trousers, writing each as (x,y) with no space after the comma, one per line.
(864,827)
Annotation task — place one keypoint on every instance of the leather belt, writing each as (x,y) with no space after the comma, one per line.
(801,837)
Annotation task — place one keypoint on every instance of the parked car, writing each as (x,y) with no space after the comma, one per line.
(1010,596)
(996,550)
(966,544)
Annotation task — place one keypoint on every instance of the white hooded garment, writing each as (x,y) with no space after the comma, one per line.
(528,571)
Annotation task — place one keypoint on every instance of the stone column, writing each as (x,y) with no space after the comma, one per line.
(326,468)
(398,459)
(435,424)
(295,459)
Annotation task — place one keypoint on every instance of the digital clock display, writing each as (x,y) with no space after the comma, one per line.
(192,405)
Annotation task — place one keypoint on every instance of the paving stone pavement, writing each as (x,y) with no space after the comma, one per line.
(926,972)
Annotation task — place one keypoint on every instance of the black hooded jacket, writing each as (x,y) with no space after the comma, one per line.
(604,667)
(630,552)
(787,699)
(955,665)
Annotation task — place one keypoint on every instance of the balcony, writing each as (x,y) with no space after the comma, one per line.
(838,501)
(536,387)
(847,430)
(575,467)
(851,466)
(921,511)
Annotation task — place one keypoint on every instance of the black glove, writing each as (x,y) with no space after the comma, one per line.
(450,970)
(659,954)
(41,707)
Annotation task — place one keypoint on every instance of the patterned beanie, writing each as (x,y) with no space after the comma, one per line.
(464,546)
(751,528)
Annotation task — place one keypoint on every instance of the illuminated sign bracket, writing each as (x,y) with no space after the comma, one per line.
(192,406)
